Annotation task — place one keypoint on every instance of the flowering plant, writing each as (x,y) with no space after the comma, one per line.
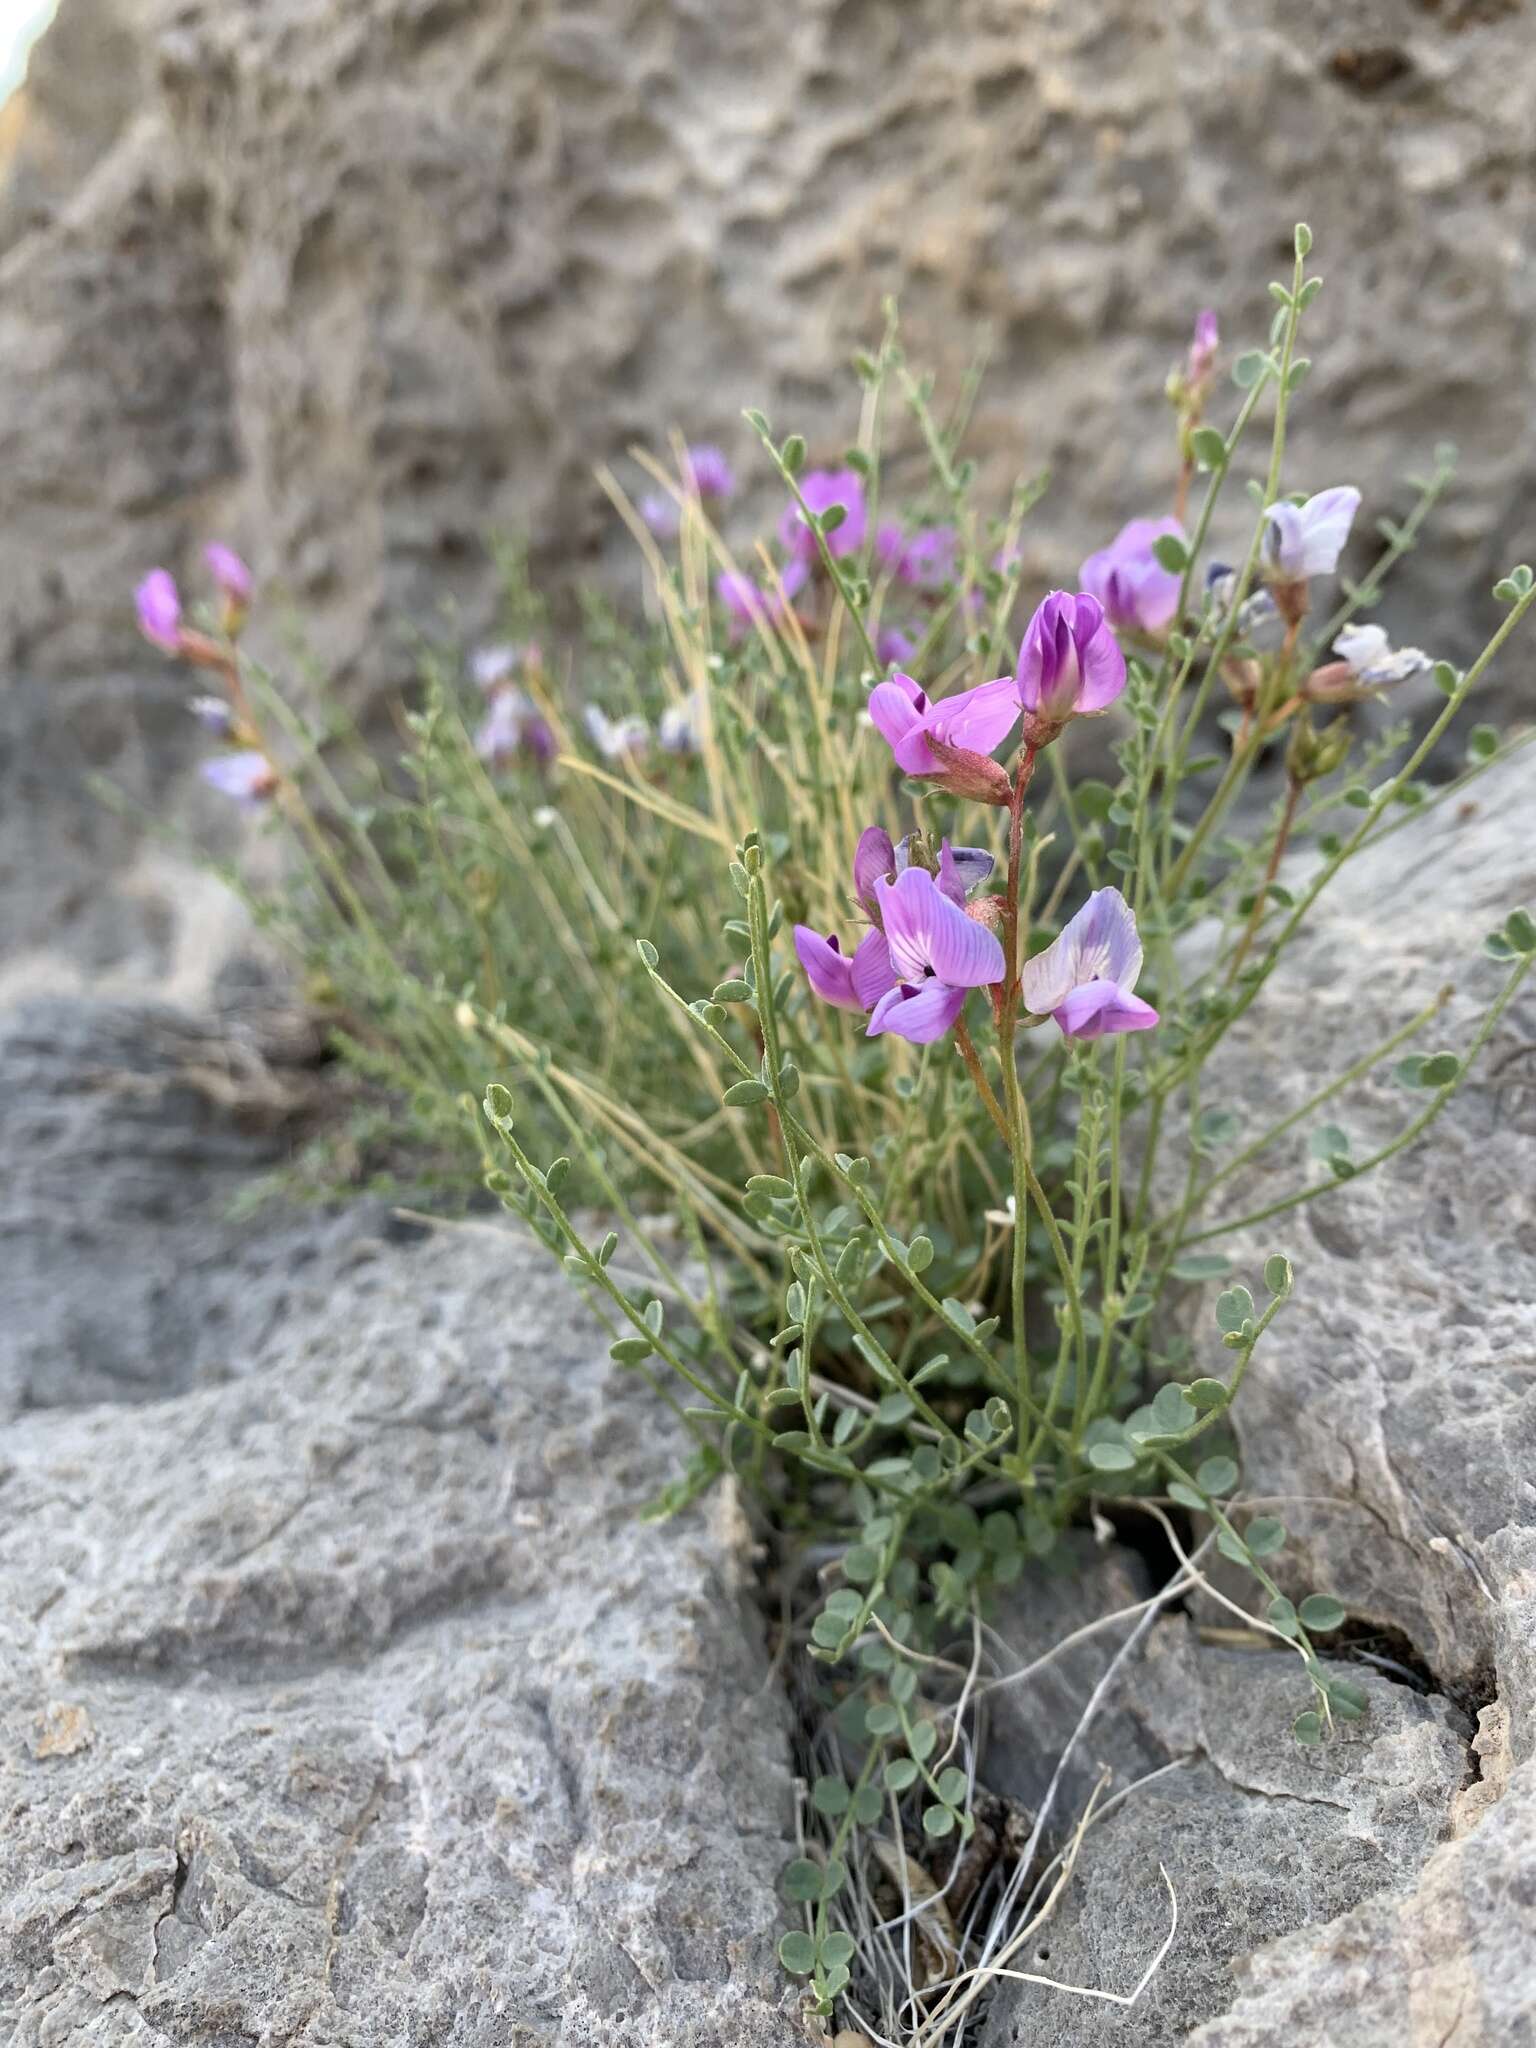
(914,1180)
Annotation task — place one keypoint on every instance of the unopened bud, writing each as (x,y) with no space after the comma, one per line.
(973,776)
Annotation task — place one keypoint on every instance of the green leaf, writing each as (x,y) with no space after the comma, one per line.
(1201,1266)
(1520,932)
(770,1184)
(900,1773)
(1171,552)
(1277,1274)
(1308,1728)
(1440,1070)
(1249,368)
(1265,1536)
(1111,1457)
(1320,1612)
(1217,1475)
(920,1254)
(882,1719)
(939,1821)
(1283,1616)
(830,1796)
(1482,742)
(732,992)
(744,1094)
(1329,1142)
(797,1952)
(1234,1309)
(923,1740)
(630,1350)
(1209,447)
(1208,1394)
(801,1881)
(1186,1496)
(498,1104)
(1172,1411)
(792,454)
(953,1785)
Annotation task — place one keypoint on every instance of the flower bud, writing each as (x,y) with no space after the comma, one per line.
(964,773)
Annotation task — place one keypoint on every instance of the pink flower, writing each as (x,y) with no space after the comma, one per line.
(1070,664)
(925,559)
(894,643)
(749,604)
(159,608)
(1202,349)
(976,721)
(821,490)
(1138,594)
(937,954)
(232,579)
(1085,977)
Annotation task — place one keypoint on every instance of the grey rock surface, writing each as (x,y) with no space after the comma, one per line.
(1376,1891)
(353,285)
(344,1698)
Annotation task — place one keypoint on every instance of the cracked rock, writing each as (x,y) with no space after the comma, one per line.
(403,1729)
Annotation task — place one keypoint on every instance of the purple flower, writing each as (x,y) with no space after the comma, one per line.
(1373,661)
(937,954)
(677,729)
(1138,594)
(706,473)
(1070,664)
(976,721)
(894,643)
(1085,976)
(232,579)
(749,604)
(925,559)
(247,777)
(856,984)
(1202,350)
(822,489)
(159,608)
(1307,540)
(874,860)
(213,715)
(707,470)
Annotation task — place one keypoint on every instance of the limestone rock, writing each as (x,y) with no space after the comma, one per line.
(357,284)
(1386,1874)
(403,1728)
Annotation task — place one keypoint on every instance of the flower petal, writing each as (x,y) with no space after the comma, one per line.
(979,719)
(896,708)
(871,969)
(1101,943)
(829,974)
(1101,1007)
(873,857)
(1325,523)
(920,1015)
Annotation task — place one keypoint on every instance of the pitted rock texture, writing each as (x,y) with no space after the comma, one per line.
(345,1699)
(355,284)
(1376,1890)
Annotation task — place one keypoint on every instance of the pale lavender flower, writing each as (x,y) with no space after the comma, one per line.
(894,643)
(500,732)
(821,490)
(976,721)
(1372,659)
(232,579)
(490,667)
(1084,978)
(614,738)
(937,954)
(1307,540)
(1202,349)
(677,729)
(874,860)
(1070,664)
(247,777)
(660,513)
(1138,594)
(213,715)
(159,609)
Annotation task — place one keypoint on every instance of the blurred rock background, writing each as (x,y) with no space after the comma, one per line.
(351,284)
